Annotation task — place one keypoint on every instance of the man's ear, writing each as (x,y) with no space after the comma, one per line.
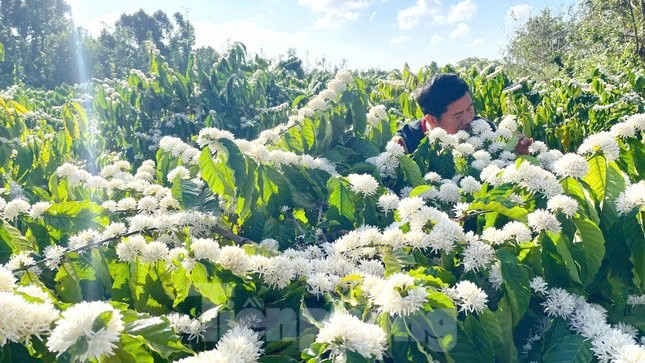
(431,121)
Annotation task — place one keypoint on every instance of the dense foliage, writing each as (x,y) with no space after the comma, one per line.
(234,212)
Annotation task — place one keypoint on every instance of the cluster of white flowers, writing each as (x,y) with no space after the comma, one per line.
(179,149)
(636,299)
(362,184)
(115,177)
(565,204)
(468,296)
(609,343)
(603,142)
(14,208)
(387,162)
(184,324)
(541,220)
(346,332)
(388,202)
(376,114)
(261,154)
(633,197)
(240,344)
(477,255)
(320,102)
(22,319)
(571,165)
(77,322)
(396,295)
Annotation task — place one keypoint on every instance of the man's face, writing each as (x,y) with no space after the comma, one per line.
(458,116)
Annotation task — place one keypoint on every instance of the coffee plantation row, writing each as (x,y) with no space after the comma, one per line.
(237,213)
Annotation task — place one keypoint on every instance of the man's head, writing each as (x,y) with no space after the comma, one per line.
(446,103)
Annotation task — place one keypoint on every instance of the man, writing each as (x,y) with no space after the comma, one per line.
(446,103)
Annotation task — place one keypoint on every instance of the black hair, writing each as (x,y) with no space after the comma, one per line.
(442,90)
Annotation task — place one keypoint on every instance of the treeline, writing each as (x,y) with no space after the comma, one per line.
(609,33)
(43,49)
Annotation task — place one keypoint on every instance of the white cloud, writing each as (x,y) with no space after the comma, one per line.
(461,11)
(266,41)
(518,13)
(372,16)
(477,42)
(399,39)
(435,39)
(334,13)
(410,17)
(460,30)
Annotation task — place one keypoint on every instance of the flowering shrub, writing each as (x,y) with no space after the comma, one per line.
(320,241)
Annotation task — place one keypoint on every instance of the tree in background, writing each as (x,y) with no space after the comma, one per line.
(123,48)
(610,33)
(539,46)
(37,40)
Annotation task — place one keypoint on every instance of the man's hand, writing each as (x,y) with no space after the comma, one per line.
(522,146)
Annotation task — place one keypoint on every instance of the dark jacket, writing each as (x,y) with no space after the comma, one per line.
(412,133)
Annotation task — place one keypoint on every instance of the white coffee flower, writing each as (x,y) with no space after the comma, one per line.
(15,208)
(77,322)
(180,172)
(346,332)
(565,204)
(7,279)
(235,259)
(538,285)
(130,248)
(559,303)
(363,183)
(632,197)
(38,209)
(477,255)
(571,165)
(469,297)
(541,220)
(603,142)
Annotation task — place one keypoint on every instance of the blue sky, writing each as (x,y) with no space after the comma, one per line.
(366,33)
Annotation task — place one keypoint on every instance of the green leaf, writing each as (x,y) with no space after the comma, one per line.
(14,240)
(277,359)
(574,189)
(491,325)
(341,206)
(614,186)
(516,283)
(211,288)
(503,315)
(588,249)
(479,336)
(79,347)
(435,330)
(74,217)
(217,175)
(158,335)
(515,212)
(597,177)
(353,357)
(411,171)
(129,351)
(102,321)
(190,196)
(68,285)
(557,261)
(634,235)
(417,191)
(570,348)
